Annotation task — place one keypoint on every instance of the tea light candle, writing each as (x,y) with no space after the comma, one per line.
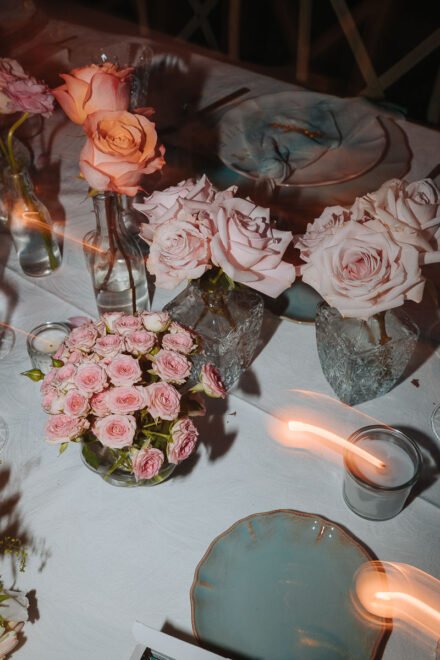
(44,341)
(380,493)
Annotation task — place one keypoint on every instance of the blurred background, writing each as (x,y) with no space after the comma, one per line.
(385,49)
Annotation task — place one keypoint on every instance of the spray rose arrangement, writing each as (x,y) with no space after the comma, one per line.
(367,259)
(194,228)
(121,382)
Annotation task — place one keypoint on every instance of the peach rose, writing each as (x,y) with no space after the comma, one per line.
(362,270)
(328,222)
(121,147)
(92,88)
(249,249)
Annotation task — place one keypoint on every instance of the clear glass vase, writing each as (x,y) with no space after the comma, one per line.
(30,226)
(228,321)
(364,359)
(104,460)
(114,260)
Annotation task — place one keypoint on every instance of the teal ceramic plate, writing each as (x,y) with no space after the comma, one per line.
(298,303)
(277,586)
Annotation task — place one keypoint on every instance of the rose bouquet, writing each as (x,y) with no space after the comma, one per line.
(120,385)
(366,261)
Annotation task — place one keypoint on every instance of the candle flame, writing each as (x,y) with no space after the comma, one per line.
(401,593)
(337,440)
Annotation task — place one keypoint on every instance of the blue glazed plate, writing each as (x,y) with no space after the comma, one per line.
(277,585)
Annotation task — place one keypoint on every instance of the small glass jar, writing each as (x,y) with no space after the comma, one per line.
(380,493)
(44,341)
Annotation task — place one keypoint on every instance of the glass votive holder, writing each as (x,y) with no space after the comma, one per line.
(379,493)
(44,341)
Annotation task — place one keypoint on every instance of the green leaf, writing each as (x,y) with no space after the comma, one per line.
(63,447)
(57,363)
(4,597)
(90,457)
(33,374)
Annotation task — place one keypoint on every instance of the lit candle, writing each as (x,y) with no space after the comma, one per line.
(379,493)
(44,341)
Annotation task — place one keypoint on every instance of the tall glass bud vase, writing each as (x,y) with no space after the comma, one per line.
(30,226)
(114,260)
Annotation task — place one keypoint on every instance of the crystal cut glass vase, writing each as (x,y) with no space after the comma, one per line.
(114,260)
(228,321)
(362,360)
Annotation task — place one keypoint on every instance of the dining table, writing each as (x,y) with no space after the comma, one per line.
(100,558)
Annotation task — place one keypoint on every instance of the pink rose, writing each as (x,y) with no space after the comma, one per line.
(76,404)
(126,324)
(23,92)
(124,370)
(53,402)
(211,381)
(98,404)
(90,378)
(91,88)
(156,206)
(110,318)
(62,428)
(109,345)
(47,382)
(100,327)
(140,342)
(115,431)
(155,321)
(9,640)
(147,463)
(64,377)
(362,270)
(249,249)
(171,366)
(126,399)
(328,222)
(179,339)
(183,440)
(76,321)
(163,401)
(120,148)
(83,337)
(180,248)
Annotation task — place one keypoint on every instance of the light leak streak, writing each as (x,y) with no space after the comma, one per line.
(30,220)
(401,593)
(28,334)
(298,427)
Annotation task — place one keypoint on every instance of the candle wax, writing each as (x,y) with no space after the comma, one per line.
(49,341)
(398,470)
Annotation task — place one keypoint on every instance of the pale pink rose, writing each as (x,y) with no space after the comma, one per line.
(64,377)
(110,319)
(76,321)
(140,342)
(62,428)
(101,327)
(90,378)
(24,93)
(115,430)
(52,403)
(146,463)
(156,206)
(8,642)
(361,270)
(76,404)
(171,367)
(76,357)
(124,370)
(327,223)
(98,404)
(249,249)
(211,381)
(180,248)
(155,321)
(91,88)
(47,382)
(411,211)
(127,324)
(179,339)
(82,338)
(15,608)
(163,401)
(126,399)
(62,352)
(120,147)
(109,345)
(183,440)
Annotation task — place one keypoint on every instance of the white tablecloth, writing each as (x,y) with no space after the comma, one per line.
(102,557)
